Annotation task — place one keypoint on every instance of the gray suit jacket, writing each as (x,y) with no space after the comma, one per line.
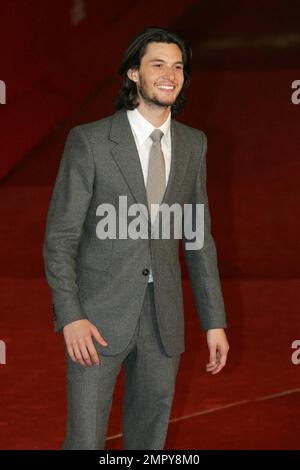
(105,280)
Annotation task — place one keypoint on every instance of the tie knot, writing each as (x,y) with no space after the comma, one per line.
(156,135)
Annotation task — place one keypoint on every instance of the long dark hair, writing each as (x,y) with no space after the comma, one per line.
(128,96)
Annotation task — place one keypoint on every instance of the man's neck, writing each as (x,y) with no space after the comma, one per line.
(154,114)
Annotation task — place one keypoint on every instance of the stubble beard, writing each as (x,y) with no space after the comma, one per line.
(152,100)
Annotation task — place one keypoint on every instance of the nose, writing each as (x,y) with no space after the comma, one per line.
(170,74)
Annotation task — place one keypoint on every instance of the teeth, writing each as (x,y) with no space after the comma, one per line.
(166,87)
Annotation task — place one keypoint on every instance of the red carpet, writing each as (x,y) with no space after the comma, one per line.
(213,412)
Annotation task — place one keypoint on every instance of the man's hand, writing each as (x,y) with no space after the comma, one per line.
(218,348)
(78,337)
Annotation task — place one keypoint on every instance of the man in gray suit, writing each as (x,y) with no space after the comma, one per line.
(118,299)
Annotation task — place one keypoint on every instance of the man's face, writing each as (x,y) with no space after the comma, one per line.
(160,77)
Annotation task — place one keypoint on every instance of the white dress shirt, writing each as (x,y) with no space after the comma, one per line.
(141,129)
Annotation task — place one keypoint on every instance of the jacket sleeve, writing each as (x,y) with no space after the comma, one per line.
(70,200)
(202,263)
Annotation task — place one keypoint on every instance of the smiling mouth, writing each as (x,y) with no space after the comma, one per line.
(167,88)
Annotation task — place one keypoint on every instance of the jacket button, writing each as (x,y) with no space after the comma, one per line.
(145,272)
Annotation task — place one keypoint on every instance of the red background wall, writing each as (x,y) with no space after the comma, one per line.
(54,53)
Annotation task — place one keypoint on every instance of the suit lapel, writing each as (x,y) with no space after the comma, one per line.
(126,156)
(180,153)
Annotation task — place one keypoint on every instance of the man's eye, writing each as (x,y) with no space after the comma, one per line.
(178,67)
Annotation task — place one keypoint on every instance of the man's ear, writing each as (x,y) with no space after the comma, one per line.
(133,74)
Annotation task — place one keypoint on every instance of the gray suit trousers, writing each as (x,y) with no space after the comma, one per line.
(149,383)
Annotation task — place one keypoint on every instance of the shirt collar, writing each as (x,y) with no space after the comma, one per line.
(143,128)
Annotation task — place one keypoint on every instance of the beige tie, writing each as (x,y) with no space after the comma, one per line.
(156,180)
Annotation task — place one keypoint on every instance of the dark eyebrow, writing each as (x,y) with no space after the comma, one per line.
(161,60)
